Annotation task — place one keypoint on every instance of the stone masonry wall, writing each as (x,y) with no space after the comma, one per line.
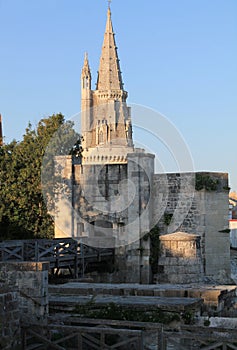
(114,205)
(9,319)
(140,175)
(202,212)
(109,205)
(100,203)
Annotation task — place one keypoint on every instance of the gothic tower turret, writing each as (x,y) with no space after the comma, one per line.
(86,101)
(85,80)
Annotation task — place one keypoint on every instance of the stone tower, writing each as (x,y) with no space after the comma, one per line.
(107,204)
(113,198)
(105,116)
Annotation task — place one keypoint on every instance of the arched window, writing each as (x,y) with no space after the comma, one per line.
(101,137)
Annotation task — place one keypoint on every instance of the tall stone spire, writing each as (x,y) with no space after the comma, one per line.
(105,119)
(109,75)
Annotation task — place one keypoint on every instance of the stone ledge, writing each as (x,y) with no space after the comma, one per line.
(143,302)
(179,236)
(24,266)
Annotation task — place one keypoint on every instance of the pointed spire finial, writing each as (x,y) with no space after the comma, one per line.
(86,61)
(109,74)
(109,4)
(86,58)
(86,67)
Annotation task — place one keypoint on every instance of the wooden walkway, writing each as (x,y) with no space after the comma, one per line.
(65,253)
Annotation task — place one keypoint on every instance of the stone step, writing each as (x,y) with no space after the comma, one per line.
(74,288)
(125,300)
(161,290)
(213,296)
(69,302)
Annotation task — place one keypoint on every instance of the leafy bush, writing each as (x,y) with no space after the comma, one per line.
(204,181)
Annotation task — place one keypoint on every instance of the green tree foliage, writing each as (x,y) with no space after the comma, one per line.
(23,212)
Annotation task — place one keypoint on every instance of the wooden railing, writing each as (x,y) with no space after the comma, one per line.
(83,334)
(65,337)
(65,253)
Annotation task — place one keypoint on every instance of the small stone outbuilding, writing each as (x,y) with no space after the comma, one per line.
(180,258)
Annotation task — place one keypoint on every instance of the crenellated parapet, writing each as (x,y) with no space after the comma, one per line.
(111,94)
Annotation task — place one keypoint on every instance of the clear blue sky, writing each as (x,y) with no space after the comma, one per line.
(177,57)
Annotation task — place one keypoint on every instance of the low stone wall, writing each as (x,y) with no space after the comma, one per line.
(9,319)
(31,280)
